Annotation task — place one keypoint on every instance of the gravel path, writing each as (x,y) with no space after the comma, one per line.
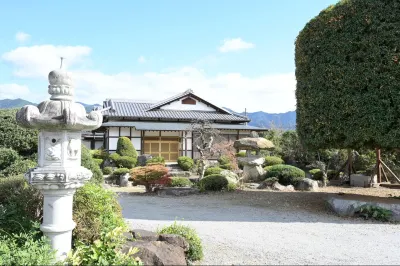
(255,228)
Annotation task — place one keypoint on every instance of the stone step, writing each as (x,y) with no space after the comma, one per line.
(180,173)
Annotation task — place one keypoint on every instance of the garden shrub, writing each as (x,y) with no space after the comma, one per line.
(96,210)
(231,187)
(99,154)
(98,161)
(287,174)
(88,162)
(123,161)
(20,205)
(185,163)
(333,174)
(374,212)
(213,171)
(156,160)
(180,182)
(107,170)
(224,162)
(26,248)
(125,147)
(148,175)
(104,251)
(7,157)
(214,182)
(317,174)
(241,154)
(273,160)
(17,168)
(195,251)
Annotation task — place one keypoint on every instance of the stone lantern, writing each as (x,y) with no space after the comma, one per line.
(59,172)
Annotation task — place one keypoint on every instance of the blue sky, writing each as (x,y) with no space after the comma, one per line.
(238,54)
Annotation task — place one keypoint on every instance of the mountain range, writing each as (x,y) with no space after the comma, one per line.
(260,119)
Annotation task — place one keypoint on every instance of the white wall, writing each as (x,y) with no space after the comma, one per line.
(177,105)
(125,131)
(113,131)
(136,143)
(112,143)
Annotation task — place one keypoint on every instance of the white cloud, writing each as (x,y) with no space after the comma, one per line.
(13,91)
(38,60)
(230,45)
(142,59)
(268,92)
(22,36)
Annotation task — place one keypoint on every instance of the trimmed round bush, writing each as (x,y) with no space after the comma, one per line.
(317,174)
(213,171)
(88,162)
(273,160)
(96,210)
(185,163)
(107,170)
(123,161)
(125,147)
(195,251)
(287,174)
(149,175)
(333,174)
(7,157)
(180,182)
(231,187)
(156,160)
(214,182)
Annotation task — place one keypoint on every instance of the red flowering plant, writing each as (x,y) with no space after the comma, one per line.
(150,176)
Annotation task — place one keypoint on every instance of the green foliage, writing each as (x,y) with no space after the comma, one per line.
(7,157)
(273,160)
(375,212)
(317,174)
(20,204)
(180,182)
(333,174)
(185,163)
(270,181)
(241,154)
(104,251)
(13,136)
(125,147)
(99,154)
(231,187)
(26,248)
(195,252)
(96,210)
(107,170)
(17,168)
(213,171)
(214,182)
(156,160)
(347,71)
(118,172)
(225,162)
(88,162)
(287,174)
(98,161)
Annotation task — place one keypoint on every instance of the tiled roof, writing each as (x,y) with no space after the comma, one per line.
(136,110)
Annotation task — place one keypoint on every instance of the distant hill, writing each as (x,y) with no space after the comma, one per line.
(89,107)
(262,119)
(14,103)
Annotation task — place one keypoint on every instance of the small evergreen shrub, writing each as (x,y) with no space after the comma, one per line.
(195,252)
(224,162)
(231,187)
(156,160)
(99,154)
(241,154)
(375,212)
(98,161)
(270,181)
(185,163)
(214,182)
(333,174)
(148,175)
(7,157)
(107,170)
(88,162)
(17,168)
(96,210)
(125,147)
(287,174)
(123,161)
(180,182)
(273,160)
(213,171)
(317,174)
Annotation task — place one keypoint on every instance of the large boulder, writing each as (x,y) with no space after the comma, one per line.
(175,240)
(278,187)
(252,160)
(142,159)
(253,144)
(157,252)
(140,234)
(253,173)
(307,184)
(124,180)
(230,176)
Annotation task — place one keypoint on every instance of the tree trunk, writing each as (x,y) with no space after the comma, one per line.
(148,187)
(203,168)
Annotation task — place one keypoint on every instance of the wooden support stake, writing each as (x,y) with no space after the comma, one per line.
(390,171)
(378,165)
(384,174)
(350,165)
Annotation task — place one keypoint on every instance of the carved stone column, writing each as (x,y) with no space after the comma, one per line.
(59,172)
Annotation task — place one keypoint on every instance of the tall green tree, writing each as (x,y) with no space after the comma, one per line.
(348,76)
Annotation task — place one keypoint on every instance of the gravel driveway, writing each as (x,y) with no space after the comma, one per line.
(263,228)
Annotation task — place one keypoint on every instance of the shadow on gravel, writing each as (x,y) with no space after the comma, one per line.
(239,206)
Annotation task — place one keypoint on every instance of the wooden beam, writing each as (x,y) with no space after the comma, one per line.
(384,174)
(390,171)
(378,165)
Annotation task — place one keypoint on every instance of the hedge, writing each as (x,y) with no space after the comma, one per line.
(185,163)
(287,174)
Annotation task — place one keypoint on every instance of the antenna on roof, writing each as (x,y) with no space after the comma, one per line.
(62,58)
(245,114)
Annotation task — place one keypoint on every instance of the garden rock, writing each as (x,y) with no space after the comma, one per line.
(177,191)
(145,235)
(266,184)
(253,144)
(307,184)
(175,240)
(142,159)
(252,185)
(124,181)
(230,176)
(157,253)
(279,187)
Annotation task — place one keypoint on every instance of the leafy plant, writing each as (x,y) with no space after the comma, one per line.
(88,162)
(317,174)
(104,251)
(195,252)
(272,160)
(213,171)
(180,182)
(185,163)
(123,161)
(287,174)
(17,168)
(148,175)
(214,182)
(156,160)
(98,161)
(107,170)
(7,157)
(125,147)
(375,212)
(231,187)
